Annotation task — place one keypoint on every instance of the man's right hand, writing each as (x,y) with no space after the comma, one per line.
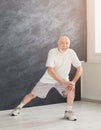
(68,83)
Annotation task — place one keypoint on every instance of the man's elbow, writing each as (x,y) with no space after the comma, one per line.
(80,69)
(49,70)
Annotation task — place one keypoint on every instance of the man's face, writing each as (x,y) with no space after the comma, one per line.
(63,44)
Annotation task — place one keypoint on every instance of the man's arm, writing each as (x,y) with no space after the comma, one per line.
(53,73)
(77,74)
(76,77)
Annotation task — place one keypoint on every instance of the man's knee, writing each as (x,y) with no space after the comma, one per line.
(30,95)
(72,91)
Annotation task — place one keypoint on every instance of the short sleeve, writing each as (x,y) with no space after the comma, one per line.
(75,60)
(50,59)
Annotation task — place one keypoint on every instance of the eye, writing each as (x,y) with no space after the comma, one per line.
(67,43)
(64,43)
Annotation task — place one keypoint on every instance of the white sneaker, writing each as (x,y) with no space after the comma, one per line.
(16,112)
(70,116)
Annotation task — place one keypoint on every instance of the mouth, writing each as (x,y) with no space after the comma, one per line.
(64,48)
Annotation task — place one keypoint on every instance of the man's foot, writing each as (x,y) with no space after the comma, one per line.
(16,112)
(70,116)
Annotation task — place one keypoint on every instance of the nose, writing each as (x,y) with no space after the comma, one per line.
(65,44)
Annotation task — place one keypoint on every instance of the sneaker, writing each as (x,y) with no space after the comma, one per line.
(70,116)
(16,112)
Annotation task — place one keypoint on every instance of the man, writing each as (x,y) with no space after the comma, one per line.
(57,75)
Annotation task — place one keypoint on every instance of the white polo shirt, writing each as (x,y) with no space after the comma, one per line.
(61,62)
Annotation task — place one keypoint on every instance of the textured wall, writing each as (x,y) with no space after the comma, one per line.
(28,29)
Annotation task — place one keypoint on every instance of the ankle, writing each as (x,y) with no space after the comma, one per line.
(21,105)
(69,107)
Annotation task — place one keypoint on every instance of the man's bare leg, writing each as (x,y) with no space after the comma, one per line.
(70,99)
(25,100)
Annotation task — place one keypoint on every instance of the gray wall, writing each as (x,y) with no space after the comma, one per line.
(28,29)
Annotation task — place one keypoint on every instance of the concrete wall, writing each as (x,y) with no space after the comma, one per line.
(28,29)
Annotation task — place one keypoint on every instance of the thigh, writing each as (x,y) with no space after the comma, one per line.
(41,89)
(61,89)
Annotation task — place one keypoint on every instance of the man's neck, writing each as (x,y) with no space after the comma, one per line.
(61,51)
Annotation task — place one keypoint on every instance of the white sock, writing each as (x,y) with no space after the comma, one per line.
(69,108)
(20,105)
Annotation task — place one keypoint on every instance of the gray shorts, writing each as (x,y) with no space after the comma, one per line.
(41,89)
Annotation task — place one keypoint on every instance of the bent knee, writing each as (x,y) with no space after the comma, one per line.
(30,95)
(71,91)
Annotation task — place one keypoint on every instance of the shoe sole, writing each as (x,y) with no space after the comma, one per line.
(14,114)
(70,119)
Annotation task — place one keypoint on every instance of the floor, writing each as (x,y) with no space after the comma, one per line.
(50,117)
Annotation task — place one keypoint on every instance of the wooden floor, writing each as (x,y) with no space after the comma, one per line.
(50,117)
